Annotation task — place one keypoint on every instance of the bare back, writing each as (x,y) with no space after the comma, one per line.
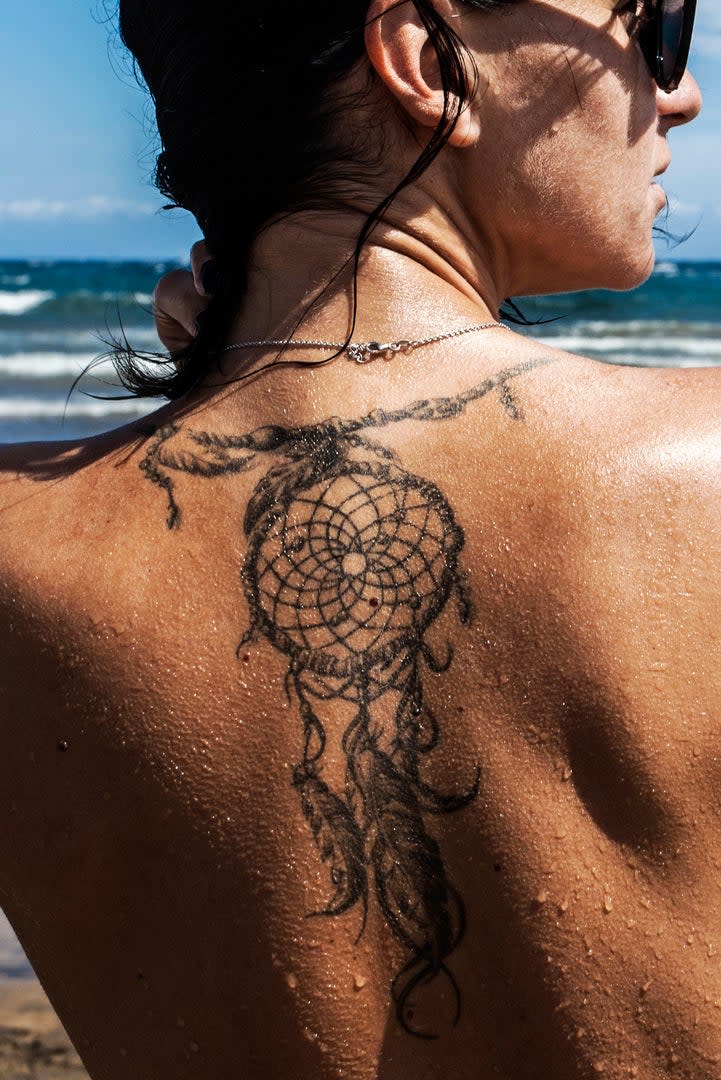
(332,726)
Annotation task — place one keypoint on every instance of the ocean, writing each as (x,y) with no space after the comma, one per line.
(55,315)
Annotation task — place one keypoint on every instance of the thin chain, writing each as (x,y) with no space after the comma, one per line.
(364,352)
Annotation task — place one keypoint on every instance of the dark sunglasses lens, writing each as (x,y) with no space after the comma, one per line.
(672,20)
(674,39)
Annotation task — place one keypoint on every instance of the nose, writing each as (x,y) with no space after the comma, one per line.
(682,105)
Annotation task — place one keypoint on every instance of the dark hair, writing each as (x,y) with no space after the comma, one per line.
(263,72)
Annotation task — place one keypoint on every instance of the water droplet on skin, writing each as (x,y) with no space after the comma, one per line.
(561,834)
(563,906)
(646,986)
(63,745)
(599,1067)
(542,897)
(567,774)
(291,980)
(311,1036)
(608,905)
(359,981)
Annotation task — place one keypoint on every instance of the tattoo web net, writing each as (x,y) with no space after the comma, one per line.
(349,572)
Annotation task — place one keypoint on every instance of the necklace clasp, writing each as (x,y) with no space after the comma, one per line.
(363,353)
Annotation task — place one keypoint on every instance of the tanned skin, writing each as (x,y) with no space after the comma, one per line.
(260,825)
(361,722)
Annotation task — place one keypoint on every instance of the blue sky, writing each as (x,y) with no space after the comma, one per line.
(75,175)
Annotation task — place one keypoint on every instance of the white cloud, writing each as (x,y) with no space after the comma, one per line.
(90,208)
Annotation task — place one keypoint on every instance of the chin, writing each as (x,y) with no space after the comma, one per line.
(625,278)
(637,270)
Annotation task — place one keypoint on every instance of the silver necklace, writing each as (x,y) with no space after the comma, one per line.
(362,352)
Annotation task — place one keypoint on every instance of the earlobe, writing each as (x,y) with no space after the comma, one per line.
(467,131)
(405,61)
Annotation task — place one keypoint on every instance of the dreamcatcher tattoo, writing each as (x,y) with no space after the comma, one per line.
(350,559)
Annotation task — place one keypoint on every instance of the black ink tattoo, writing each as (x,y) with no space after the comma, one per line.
(350,559)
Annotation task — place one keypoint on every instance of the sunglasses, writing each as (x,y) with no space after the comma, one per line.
(665,39)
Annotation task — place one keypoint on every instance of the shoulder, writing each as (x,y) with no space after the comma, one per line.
(627,465)
(51,493)
(639,429)
(643,420)
(591,455)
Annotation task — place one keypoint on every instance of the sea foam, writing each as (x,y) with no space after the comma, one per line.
(19,303)
(57,408)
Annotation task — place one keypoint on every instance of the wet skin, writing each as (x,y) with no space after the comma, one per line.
(160,861)
(361,722)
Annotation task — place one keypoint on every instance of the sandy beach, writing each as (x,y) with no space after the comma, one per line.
(33,1044)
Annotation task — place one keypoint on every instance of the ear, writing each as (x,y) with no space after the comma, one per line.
(404,59)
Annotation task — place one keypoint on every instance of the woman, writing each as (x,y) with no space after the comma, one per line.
(361,723)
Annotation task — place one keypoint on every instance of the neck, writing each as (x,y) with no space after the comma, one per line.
(413,280)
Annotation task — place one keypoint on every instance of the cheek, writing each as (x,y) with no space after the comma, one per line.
(568,114)
(583,212)
(596,158)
